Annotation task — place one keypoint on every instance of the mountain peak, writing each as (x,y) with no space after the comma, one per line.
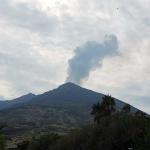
(25,97)
(68,85)
(30,94)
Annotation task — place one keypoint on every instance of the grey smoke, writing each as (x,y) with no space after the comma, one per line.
(89,56)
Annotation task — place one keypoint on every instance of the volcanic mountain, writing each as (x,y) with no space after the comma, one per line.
(58,110)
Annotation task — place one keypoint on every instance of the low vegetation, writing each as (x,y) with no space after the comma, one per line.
(111,130)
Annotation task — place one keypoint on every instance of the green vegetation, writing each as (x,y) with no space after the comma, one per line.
(103,109)
(2,140)
(111,130)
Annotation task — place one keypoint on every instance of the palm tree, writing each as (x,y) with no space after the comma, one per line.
(104,108)
(109,104)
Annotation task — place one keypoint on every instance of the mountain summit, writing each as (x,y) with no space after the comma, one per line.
(68,84)
(67,93)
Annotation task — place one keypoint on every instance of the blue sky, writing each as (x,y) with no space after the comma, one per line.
(40,37)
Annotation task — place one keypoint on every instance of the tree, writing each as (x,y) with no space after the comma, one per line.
(2,138)
(104,108)
(126,108)
(2,142)
(108,104)
(97,112)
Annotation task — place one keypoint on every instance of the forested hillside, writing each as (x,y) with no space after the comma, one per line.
(111,129)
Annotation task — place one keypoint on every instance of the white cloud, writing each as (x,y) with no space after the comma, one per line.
(26,16)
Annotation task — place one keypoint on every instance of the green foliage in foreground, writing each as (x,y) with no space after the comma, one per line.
(118,132)
(2,142)
(2,139)
(111,130)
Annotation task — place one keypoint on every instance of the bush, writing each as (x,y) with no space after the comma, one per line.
(2,142)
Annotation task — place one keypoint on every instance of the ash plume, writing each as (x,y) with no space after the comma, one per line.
(90,56)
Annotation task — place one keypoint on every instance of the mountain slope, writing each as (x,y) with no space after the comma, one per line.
(58,110)
(3,104)
(70,93)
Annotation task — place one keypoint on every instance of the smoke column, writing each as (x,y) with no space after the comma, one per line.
(89,56)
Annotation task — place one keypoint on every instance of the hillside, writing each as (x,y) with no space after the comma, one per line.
(16,102)
(58,110)
(111,129)
(117,132)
